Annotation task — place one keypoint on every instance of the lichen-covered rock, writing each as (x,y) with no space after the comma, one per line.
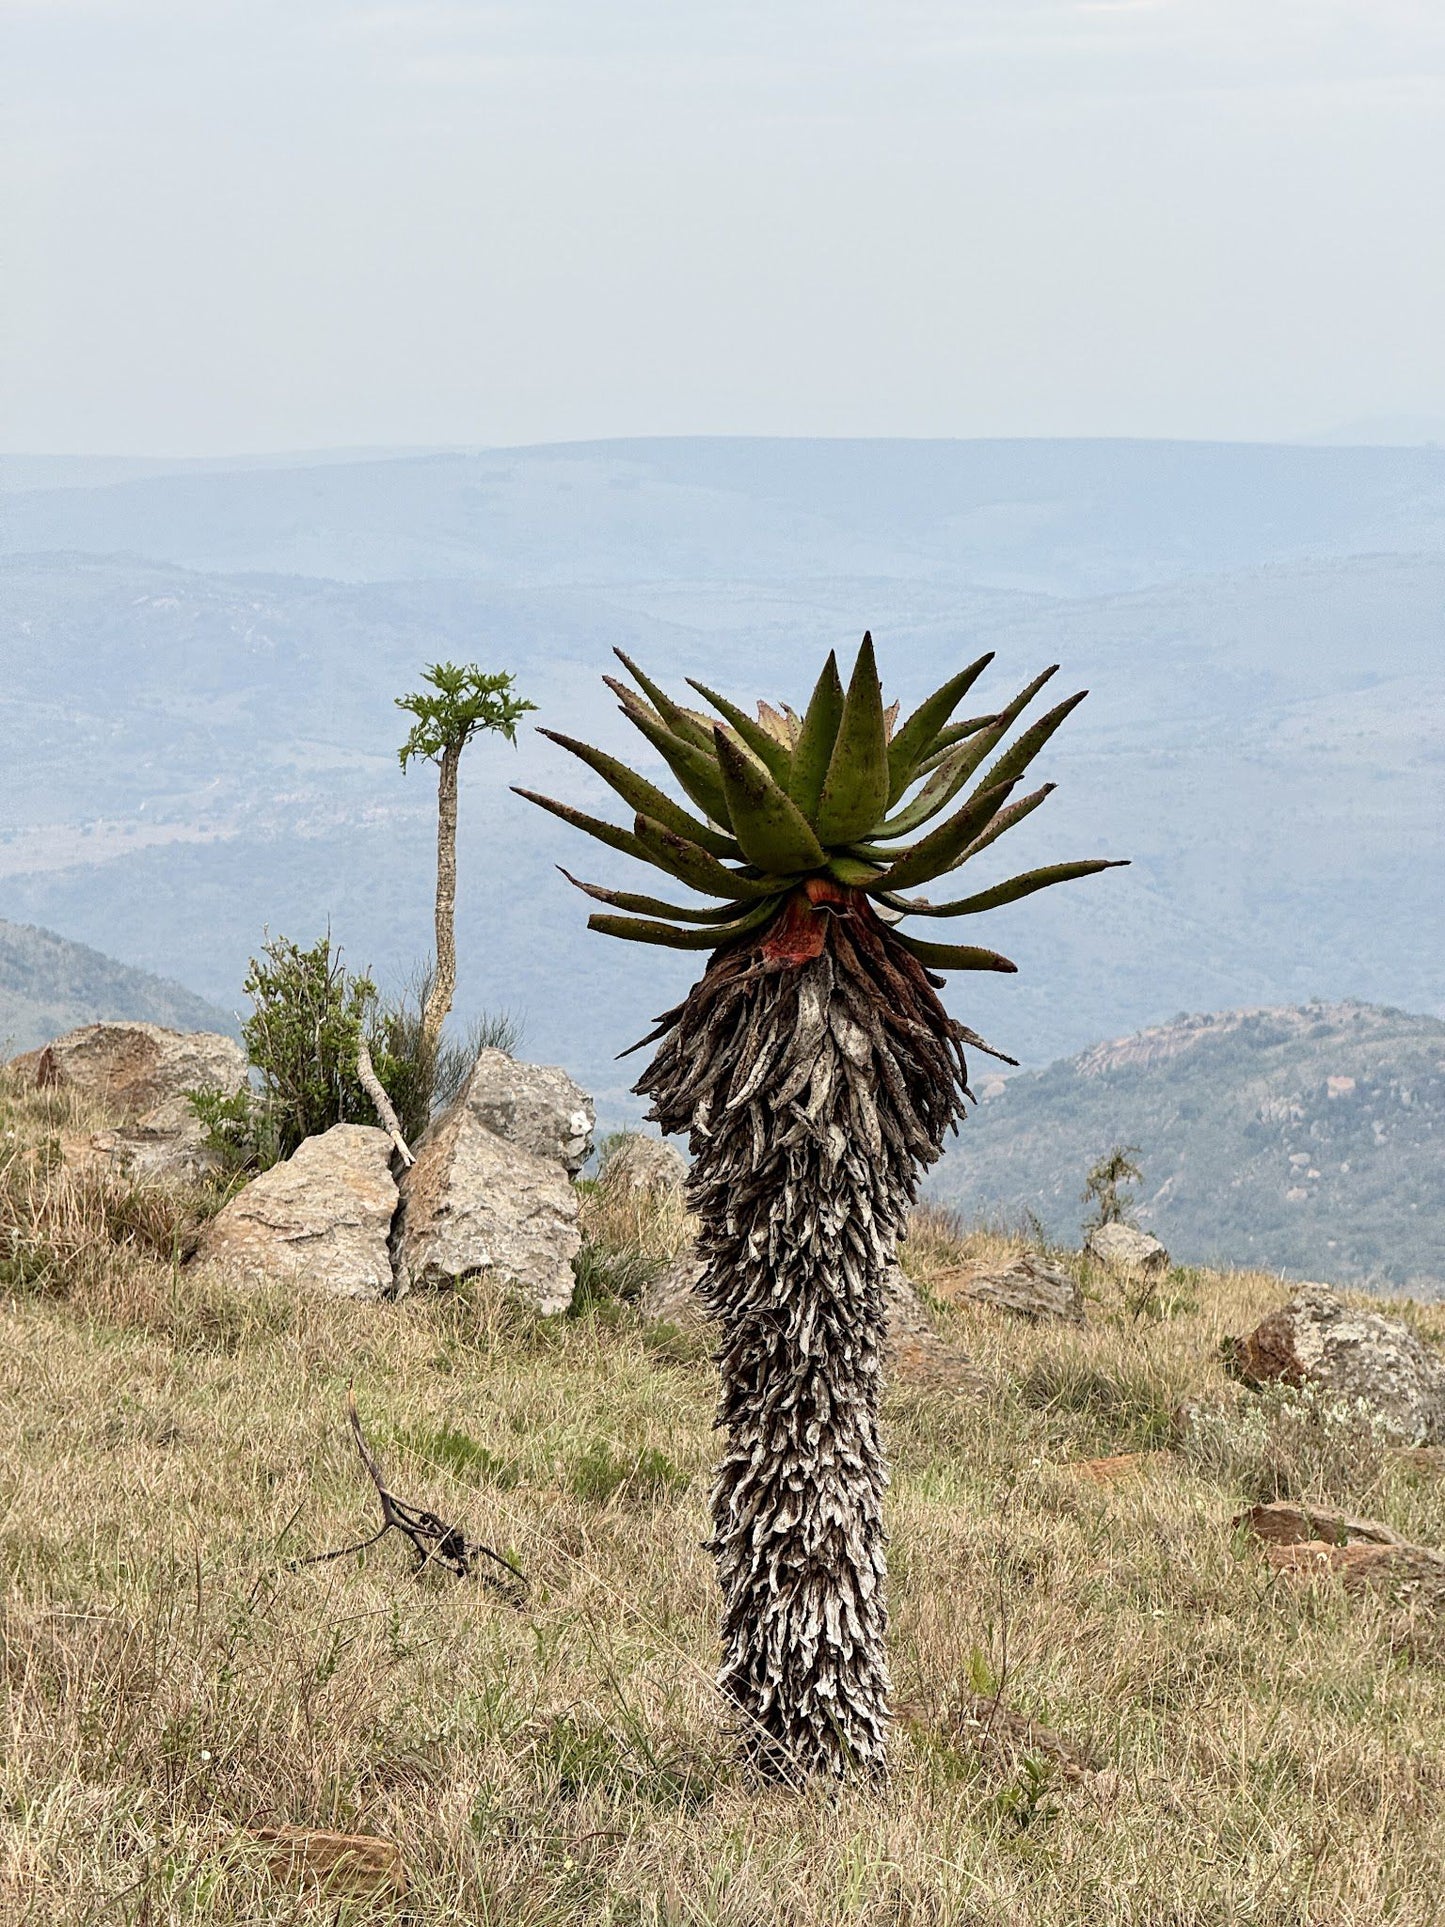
(634,1162)
(536,1107)
(1317,1339)
(132,1068)
(1124,1248)
(476,1202)
(167,1144)
(321,1220)
(673,1295)
(1029,1288)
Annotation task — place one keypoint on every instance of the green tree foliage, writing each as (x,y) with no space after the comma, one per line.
(308,1016)
(460,702)
(1103,1187)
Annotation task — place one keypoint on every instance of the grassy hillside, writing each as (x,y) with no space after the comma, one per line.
(1310,1140)
(49,985)
(1246,1748)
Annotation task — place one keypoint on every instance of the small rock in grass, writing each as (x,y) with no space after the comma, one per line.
(1029,1288)
(1123,1248)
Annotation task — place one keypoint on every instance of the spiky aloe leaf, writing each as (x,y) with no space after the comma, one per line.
(818,734)
(645,797)
(955,956)
(941,848)
(695,769)
(855,790)
(641,930)
(1016,759)
(771,830)
(694,866)
(654,906)
(607,833)
(781,724)
(1009,892)
(1006,819)
(918,736)
(949,738)
(690,728)
(853,870)
(771,753)
(956,768)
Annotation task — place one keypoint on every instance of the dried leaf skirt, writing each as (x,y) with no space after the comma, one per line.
(814,1093)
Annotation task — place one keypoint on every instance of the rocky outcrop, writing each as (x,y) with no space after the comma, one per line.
(321,1220)
(167,1145)
(535,1107)
(1028,1288)
(1317,1339)
(1123,1248)
(633,1162)
(478,1202)
(131,1069)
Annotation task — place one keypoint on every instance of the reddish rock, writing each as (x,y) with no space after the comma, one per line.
(1317,1339)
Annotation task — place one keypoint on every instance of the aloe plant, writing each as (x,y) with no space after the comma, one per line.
(816,1073)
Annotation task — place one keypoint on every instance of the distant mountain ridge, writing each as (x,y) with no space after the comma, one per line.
(49,985)
(1308,1139)
(201,738)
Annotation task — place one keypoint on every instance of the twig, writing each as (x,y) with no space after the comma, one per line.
(432,1540)
(376,1091)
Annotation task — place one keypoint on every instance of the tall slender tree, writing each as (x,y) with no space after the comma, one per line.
(459,703)
(816,1073)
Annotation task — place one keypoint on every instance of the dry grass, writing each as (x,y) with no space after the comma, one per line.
(1268,1752)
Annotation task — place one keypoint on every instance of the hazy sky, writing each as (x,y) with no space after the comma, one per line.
(306,223)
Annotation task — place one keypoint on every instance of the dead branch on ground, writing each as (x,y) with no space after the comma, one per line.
(433,1541)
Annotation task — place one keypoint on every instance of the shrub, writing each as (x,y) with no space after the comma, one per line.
(309,1016)
(305,1028)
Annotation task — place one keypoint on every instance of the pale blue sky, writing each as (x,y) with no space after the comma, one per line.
(310,223)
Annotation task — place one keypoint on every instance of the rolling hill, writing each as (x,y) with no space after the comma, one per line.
(1308,1140)
(49,985)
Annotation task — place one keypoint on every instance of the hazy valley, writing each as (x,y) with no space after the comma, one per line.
(203,660)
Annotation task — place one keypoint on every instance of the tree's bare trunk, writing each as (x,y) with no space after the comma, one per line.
(817,1074)
(439,1002)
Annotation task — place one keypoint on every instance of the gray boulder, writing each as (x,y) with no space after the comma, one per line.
(633,1162)
(1028,1288)
(477,1202)
(167,1145)
(1124,1248)
(1317,1339)
(132,1068)
(321,1220)
(535,1107)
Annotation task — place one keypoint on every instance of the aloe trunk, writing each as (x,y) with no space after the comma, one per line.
(816,1073)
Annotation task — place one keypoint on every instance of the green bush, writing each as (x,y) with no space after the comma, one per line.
(308,1017)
